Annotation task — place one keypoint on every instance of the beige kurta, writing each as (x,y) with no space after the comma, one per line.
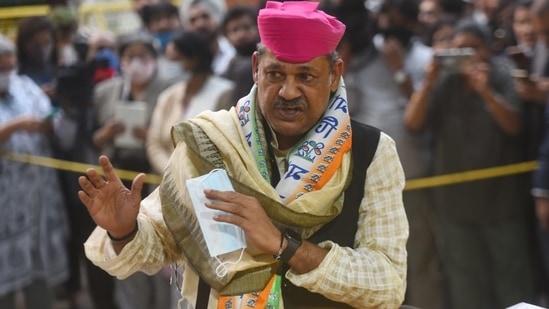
(373,275)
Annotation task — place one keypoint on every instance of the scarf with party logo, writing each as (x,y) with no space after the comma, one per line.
(313,161)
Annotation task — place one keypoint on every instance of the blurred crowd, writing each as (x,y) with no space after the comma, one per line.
(458,84)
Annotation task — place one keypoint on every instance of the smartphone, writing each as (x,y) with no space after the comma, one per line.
(518,56)
(454,59)
(522,75)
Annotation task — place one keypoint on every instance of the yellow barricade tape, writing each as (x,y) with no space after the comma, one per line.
(411,184)
(74,166)
(480,174)
(23,11)
(110,7)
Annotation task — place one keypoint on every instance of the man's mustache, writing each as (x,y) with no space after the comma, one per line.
(299,102)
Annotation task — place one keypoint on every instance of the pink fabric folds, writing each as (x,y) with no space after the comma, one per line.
(296,31)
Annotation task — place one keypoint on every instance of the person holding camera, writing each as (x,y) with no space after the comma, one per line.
(471,108)
(73,128)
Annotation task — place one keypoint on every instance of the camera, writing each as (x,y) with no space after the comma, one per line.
(74,85)
(519,57)
(453,60)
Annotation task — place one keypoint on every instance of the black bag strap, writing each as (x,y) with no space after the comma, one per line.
(203,295)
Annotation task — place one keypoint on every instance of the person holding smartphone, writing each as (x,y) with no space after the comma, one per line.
(530,53)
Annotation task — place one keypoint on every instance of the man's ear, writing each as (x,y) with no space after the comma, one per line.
(337,71)
(255,64)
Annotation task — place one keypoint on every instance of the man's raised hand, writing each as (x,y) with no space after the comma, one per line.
(111,205)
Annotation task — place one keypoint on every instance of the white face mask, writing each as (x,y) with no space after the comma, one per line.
(172,69)
(139,71)
(68,55)
(5,80)
(221,238)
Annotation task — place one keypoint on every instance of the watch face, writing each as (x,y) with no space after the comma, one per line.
(293,235)
(294,241)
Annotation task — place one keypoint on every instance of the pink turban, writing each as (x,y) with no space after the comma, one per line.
(296,32)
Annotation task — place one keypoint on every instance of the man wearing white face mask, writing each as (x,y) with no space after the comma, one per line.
(139,84)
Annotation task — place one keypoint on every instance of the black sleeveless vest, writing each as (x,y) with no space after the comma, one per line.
(343,228)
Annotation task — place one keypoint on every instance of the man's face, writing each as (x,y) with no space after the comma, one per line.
(489,7)
(442,38)
(201,20)
(243,34)
(429,12)
(40,46)
(468,40)
(293,97)
(393,24)
(541,26)
(164,23)
(523,28)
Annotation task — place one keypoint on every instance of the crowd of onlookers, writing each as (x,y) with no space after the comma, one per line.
(458,84)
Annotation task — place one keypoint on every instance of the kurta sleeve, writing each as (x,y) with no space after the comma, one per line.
(151,249)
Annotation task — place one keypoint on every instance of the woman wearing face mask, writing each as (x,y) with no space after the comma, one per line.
(139,82)
(33,222)
(202,91)
(35,51)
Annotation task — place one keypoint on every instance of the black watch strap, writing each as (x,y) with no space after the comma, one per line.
(294,241)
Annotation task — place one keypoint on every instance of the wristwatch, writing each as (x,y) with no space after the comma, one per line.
(400,76)
(294,241)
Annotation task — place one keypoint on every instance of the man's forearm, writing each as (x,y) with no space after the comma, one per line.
(307,257)
(416,112)
(507,119)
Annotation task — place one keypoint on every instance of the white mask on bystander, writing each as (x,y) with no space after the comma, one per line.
(139,71)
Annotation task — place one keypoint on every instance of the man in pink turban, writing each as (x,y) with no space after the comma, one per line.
(283,213)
